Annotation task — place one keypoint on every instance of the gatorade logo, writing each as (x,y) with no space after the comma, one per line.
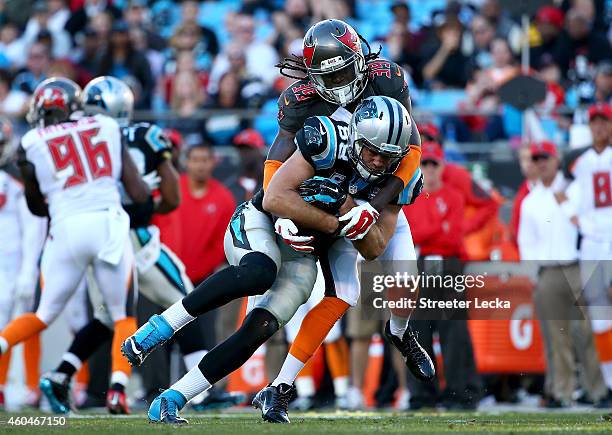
(521,327)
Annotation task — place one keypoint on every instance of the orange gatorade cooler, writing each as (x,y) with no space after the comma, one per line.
(506,340)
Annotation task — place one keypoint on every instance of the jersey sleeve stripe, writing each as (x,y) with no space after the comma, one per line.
(407,192)
(326,159)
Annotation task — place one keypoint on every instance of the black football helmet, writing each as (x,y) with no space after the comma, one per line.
(53,101)
(335,62)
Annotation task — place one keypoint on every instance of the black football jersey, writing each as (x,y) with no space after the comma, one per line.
(142,139)
(300,100)
(323,142)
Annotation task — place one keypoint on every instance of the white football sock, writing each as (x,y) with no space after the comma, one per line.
(177,316)
(118,377)
(192,384)
(341,385)
(289,371)
(305,386)
(606,371)
(398,325)
(193,359)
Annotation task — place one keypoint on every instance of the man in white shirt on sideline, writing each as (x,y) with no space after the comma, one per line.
(547,235)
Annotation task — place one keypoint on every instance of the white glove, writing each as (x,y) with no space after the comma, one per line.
(288,231)
(152,179)
(360,220)
(25,288)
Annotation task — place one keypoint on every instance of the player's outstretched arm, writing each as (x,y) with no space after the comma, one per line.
(131,179)
(168,188)
(281,197)
(375,242)
(34,197)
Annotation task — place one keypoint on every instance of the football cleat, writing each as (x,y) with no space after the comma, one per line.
(274,402)
(149,336)
(415,357)
(165,408)
(217,399)
(56,388)
(116,402)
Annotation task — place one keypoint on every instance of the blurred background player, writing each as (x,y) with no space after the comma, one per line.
(21,239)
(70,170)
(588,203)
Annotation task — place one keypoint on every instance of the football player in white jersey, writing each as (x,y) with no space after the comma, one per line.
(589,205)
(21,239)
(71,171)
(161,274)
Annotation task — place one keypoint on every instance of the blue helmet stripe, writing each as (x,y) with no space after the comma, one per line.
(391,119)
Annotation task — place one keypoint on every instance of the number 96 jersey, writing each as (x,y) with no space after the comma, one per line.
(77,164)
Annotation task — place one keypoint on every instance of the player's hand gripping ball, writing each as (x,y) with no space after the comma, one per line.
(323,193)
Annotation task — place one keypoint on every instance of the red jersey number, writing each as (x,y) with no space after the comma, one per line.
(64,153)
(602,189)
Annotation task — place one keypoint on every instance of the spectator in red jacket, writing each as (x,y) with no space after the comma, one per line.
(484,205)
(436,217)
(205,210)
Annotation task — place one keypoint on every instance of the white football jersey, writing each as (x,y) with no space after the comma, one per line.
(21,233)
(591,194)
(77,164)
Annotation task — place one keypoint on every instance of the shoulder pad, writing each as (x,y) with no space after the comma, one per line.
(293,104)
(387,78)
(317,142)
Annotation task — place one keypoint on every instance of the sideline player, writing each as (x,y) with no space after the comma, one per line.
(21,238)
(71,171)
(161,274)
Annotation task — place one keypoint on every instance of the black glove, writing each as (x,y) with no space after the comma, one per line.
(324,193)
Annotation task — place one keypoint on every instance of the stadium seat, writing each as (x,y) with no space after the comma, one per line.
(266,123)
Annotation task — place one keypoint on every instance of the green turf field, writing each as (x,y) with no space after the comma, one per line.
(343,423)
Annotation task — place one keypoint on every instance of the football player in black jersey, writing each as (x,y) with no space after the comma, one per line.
(161,275)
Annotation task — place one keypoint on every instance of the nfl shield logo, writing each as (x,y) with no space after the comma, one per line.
(352,189)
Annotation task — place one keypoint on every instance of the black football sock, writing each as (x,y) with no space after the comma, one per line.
(84,344)
(229,355)
(253,276)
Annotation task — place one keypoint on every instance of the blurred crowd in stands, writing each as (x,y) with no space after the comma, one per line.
(183,58)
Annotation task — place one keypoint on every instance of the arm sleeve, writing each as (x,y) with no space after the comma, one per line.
(270,168)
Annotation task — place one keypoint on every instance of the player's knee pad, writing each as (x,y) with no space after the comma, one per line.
(258,325)
(257,271)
